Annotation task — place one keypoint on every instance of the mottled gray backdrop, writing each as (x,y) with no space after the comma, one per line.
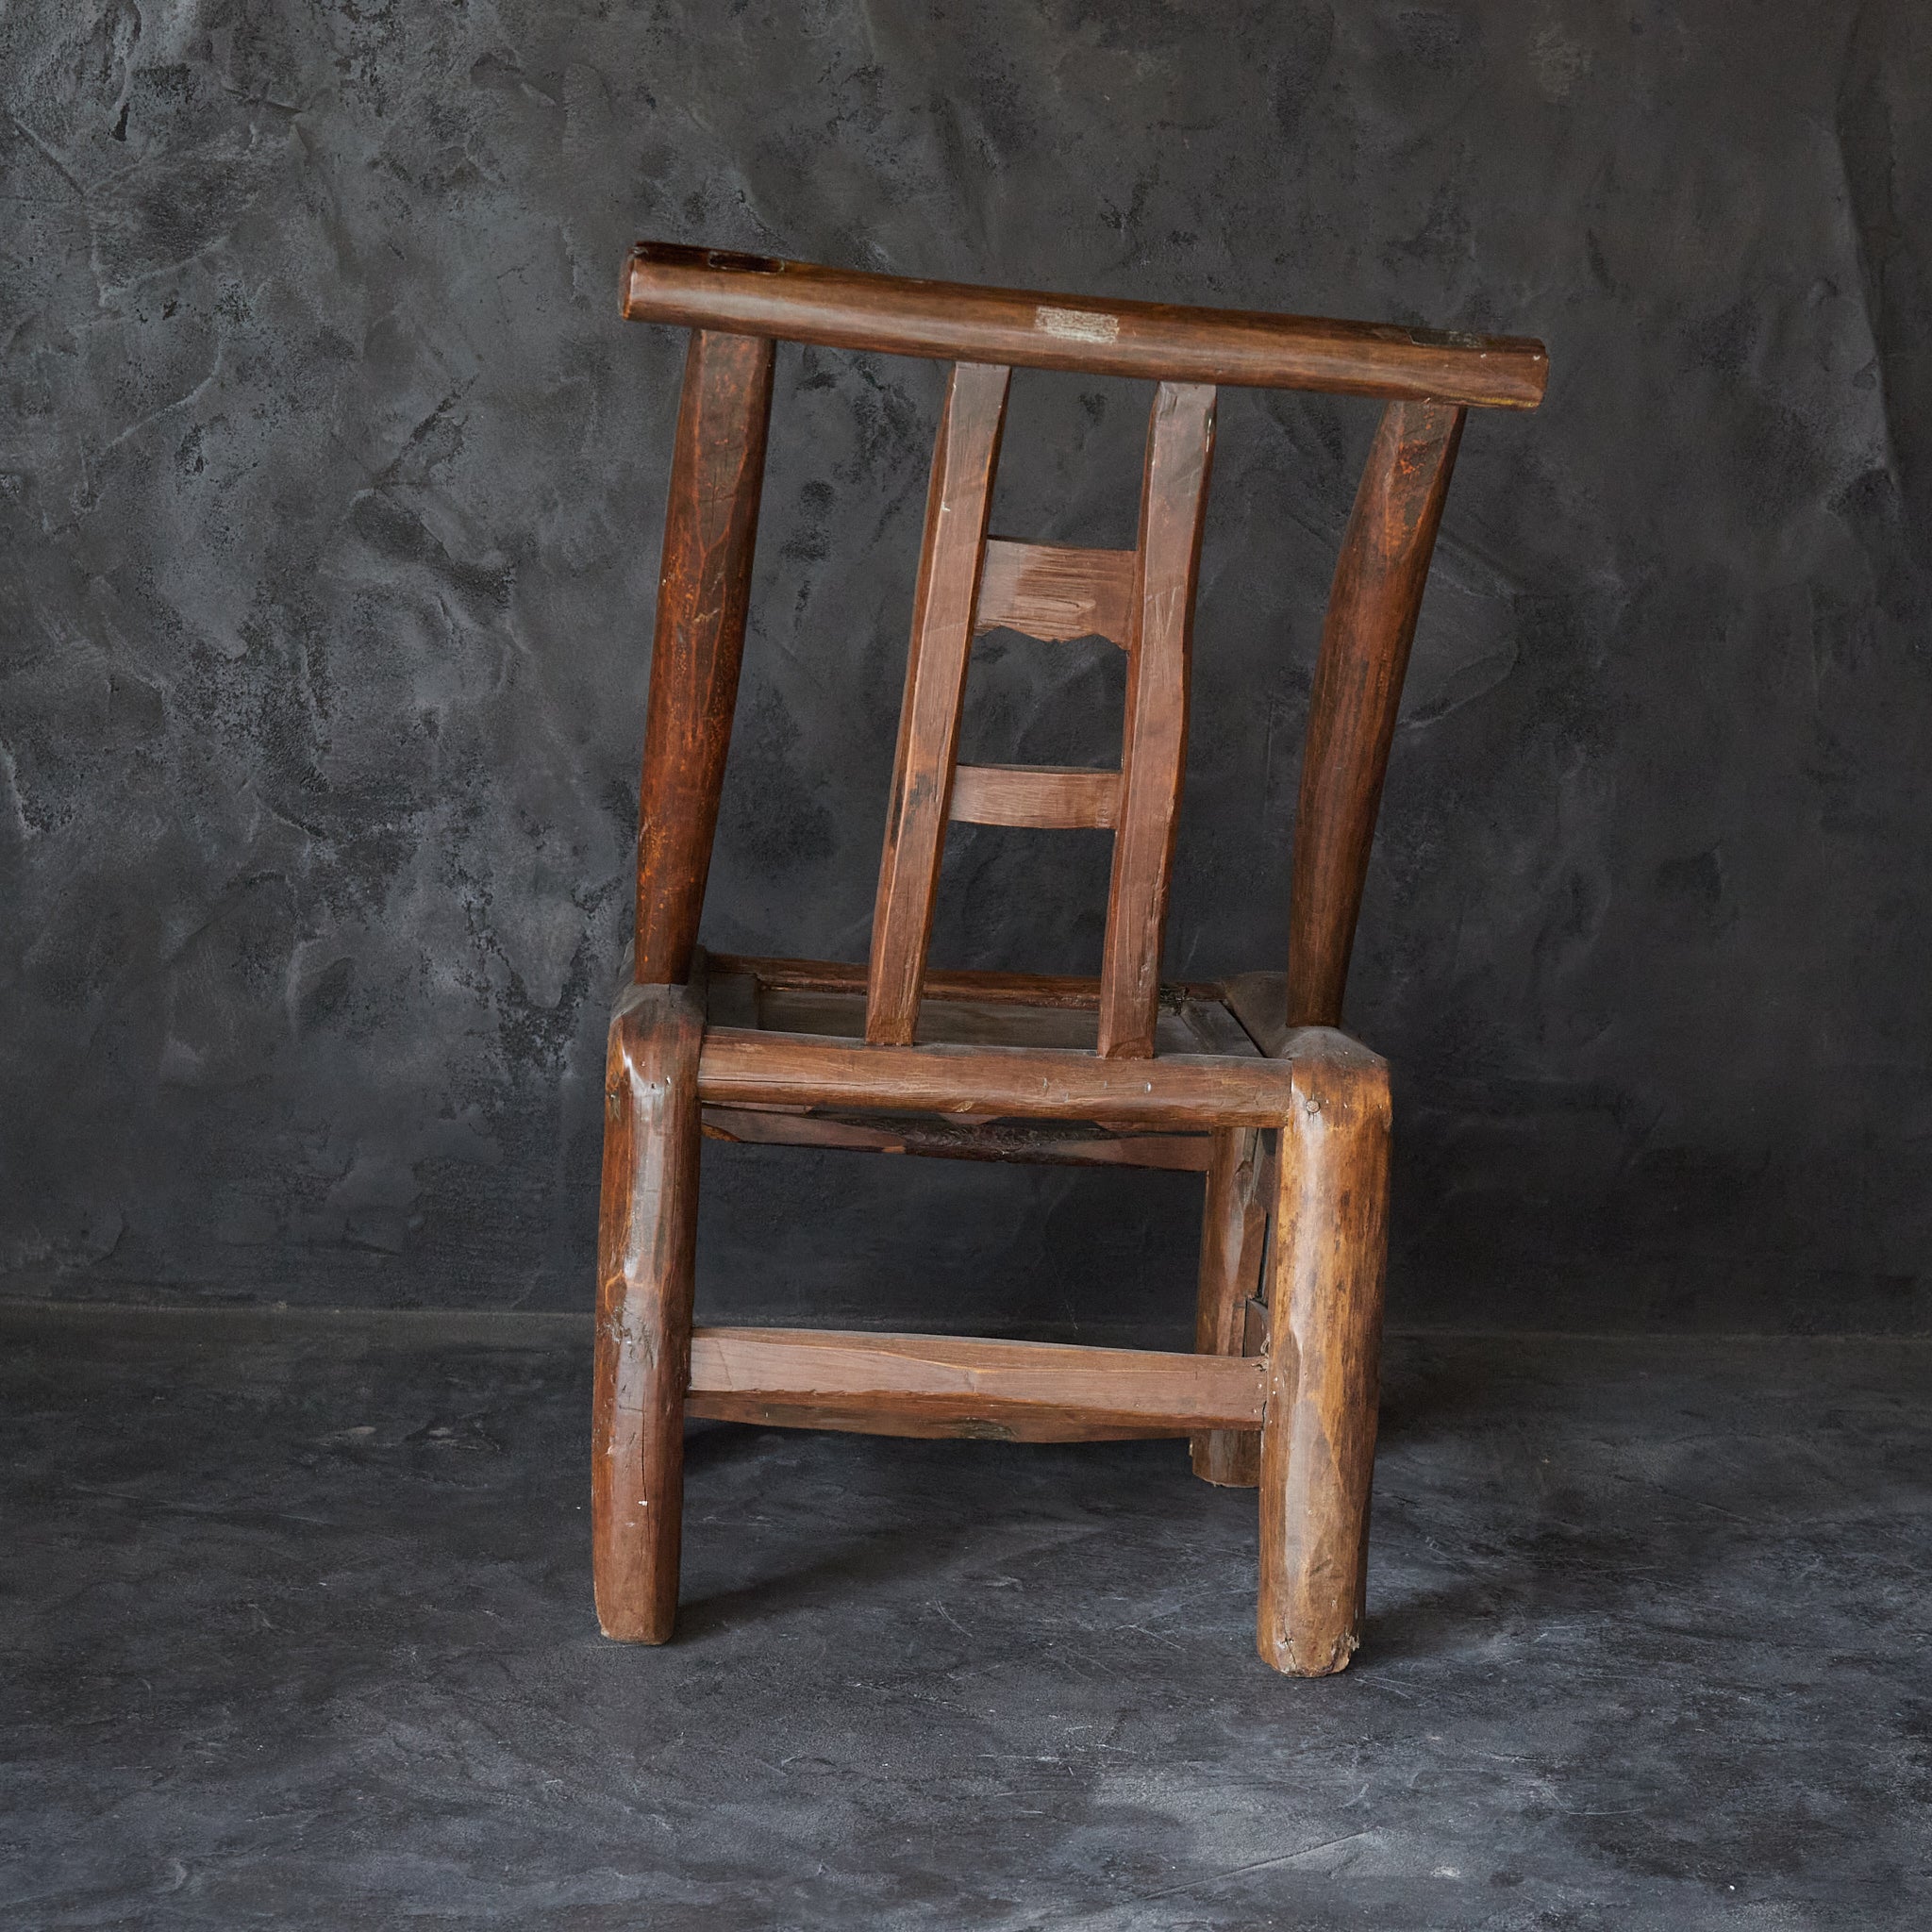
(332,490)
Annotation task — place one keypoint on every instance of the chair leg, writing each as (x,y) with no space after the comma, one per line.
(1234,1239)
(1318,1443)
(646,1250)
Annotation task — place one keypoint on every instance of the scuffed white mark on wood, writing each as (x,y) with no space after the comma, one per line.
(1076,324)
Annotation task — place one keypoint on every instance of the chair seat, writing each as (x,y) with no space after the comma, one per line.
(785,1063)
(961,1008)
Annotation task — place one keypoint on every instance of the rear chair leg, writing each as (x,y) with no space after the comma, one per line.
(1318,1443)
(1234,1240)
(646,1248)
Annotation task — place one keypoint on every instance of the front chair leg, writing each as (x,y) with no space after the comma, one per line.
(646,1248)
(1318,1442)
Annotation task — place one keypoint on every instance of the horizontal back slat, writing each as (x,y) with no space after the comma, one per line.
(798,302)
(1054,797)
(1055,591)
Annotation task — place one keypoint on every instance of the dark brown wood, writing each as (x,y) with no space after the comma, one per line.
(961,496)
(1028,1390)
(1187,1028)
(1259,1001)
(741,1068)
(710,528)
(1073,1145)
(939,1416)
(1173,501)
(1213,1027)
(1365,642)
(1057,797)
(799,302)
(1234,1241)
(646,1245)
(1055,593)
(1324,1300)
(954,1022)
(840,975)
(946,983)
(731,998)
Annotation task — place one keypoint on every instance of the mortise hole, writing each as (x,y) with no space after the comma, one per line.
(681,255)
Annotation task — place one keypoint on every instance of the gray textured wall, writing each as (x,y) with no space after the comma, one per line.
(332,485)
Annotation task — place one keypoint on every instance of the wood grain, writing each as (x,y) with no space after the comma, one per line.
(648,1237)
(1365,643)
(1051,1390)
(957,321)
(1324,1299)
(1055,593)
(1211,1026)
(740,1068)
(945,983)
(1054,797)
(1173,501)
(944,1416)
(958,502)
(1073,1145)
(710,529)
(956,1022)
(1234,1241)
(1259,1002)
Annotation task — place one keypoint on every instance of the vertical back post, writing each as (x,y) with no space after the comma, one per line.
(1365,643)
(958,503)
(1154,748)
(704,585)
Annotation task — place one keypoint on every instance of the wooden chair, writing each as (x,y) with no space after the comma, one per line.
(1248,1082)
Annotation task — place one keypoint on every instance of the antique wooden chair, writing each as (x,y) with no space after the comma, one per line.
(1248,1082)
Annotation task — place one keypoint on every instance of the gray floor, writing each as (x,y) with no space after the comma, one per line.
(298,1632)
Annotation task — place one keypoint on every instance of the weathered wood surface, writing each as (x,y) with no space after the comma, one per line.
(958,502)
(710,528)
(800,301)
(1324,1301)
(1030,1390)
(1056,592)
(951,1417)
(956,1022)
(1173,501)
(1062,798)
(1214,1028)
(835,1008)
(740,1068)
(1069,1145)
(646,1245)
(948,983)
(1234,1239)
(1259,1001)
(1379,585)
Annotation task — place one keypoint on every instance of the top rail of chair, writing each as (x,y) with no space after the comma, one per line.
(799,302)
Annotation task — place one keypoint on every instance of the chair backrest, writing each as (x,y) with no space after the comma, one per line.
(738,305)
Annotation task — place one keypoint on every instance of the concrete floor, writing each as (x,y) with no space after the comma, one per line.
(299,1633)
